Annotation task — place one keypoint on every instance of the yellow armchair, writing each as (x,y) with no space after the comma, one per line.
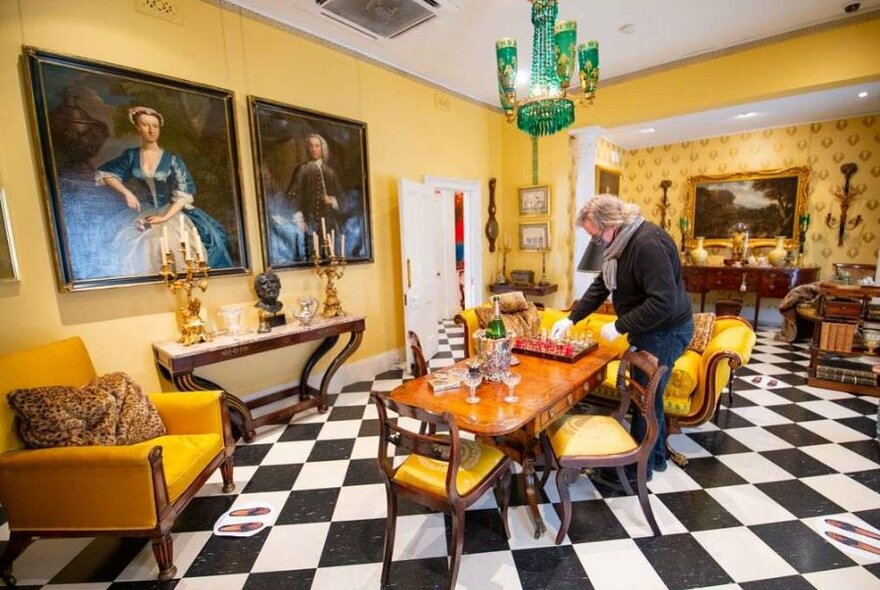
(696,381)
(134,490)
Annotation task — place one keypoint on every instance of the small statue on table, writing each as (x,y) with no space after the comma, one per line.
(268,286)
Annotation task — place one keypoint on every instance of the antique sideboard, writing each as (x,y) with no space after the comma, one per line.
(764,282)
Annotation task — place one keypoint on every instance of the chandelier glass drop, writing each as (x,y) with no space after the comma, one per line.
(550,105)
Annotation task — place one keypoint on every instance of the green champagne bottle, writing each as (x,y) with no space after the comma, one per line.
(495,327)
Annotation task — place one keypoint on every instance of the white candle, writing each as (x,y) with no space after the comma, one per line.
(163,245)
(330,243)
(342,253)
(164,238)
(181,228)
(323,228)
(317,248)
(198,245)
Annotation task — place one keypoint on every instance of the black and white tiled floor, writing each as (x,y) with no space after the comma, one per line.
(744,514)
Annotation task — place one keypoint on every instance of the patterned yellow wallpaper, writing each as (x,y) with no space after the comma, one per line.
(823,146)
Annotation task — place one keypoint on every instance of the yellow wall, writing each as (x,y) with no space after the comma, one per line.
(824,146)
(408,136)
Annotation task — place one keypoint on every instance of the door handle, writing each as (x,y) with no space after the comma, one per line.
(408,274)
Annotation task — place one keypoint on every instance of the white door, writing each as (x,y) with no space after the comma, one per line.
(420,246)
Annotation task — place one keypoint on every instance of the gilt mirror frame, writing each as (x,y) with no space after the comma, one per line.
(785,189)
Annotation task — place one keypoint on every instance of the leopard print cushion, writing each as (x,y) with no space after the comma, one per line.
(525,323)
(513,302)
(703,323)
(59,416)
(137,417)
(108,410)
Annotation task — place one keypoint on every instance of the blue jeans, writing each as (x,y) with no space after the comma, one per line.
(667,346)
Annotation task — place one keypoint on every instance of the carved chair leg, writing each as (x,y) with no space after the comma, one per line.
(641,483)
(564,476)
(226,472)
(730,388)
(504,484)
(624,480)
(18,542)
(390,529)
(457,545)
(163,550)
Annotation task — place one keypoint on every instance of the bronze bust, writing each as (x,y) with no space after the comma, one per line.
(268,286)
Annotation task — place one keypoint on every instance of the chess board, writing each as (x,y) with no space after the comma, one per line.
(557,351)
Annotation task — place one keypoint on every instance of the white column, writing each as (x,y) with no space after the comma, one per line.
(585,161)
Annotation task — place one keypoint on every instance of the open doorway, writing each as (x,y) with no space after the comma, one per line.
(433,287)
(461,242)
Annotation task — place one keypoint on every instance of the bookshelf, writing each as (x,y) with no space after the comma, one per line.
(838,359)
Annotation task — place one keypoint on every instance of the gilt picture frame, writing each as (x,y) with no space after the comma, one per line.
(607,181)
(534,200)
(312,176)
(8,259)
(534,236)
(769,202)
(127,158)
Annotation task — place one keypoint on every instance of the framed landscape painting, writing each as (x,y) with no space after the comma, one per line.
(134,164)
(768,201)
(8,262)
(312,178)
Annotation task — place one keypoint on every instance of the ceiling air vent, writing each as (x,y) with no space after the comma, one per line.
(380,18)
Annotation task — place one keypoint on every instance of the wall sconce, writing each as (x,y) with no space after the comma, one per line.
(663,206)
(846,196)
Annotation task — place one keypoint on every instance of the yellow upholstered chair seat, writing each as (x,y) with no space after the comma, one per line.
(574,436)
(429,475)
(185,456)
(681,385)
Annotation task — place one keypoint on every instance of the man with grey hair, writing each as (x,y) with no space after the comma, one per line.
(642,270)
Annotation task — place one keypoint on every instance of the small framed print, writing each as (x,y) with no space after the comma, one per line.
(534,237)
(607,181)
(534,200)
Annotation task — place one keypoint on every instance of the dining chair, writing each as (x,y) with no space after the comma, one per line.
(442,472)
(419,365)
(590,441)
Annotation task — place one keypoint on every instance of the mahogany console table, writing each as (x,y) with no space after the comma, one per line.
(176,364)
(762,281)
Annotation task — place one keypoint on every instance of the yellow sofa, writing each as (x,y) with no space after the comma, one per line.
(134,490)
(696,381)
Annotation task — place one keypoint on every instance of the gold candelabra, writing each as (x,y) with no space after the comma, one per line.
(193,328)
(331,268)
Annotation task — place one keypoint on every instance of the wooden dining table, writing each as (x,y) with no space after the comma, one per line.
(548,389)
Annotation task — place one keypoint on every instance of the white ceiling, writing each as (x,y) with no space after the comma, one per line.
(455,50)
(803,108)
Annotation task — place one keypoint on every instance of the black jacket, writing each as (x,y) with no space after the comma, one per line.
(650,294)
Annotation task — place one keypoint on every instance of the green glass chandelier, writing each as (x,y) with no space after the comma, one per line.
(550,106)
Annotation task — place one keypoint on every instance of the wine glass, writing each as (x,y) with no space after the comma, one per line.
(511,379)
(472,379)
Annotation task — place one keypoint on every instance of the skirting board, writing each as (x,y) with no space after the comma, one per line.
(364,369)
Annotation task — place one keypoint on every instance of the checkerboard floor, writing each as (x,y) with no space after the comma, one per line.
(745,513)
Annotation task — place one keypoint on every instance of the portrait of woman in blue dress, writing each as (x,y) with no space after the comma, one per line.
(158,189)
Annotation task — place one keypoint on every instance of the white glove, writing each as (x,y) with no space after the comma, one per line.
(609,332)
(560,328)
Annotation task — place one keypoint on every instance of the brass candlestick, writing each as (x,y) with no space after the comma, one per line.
(501,278)
(544,250)
(331,268)
(663,206)
(193,328)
